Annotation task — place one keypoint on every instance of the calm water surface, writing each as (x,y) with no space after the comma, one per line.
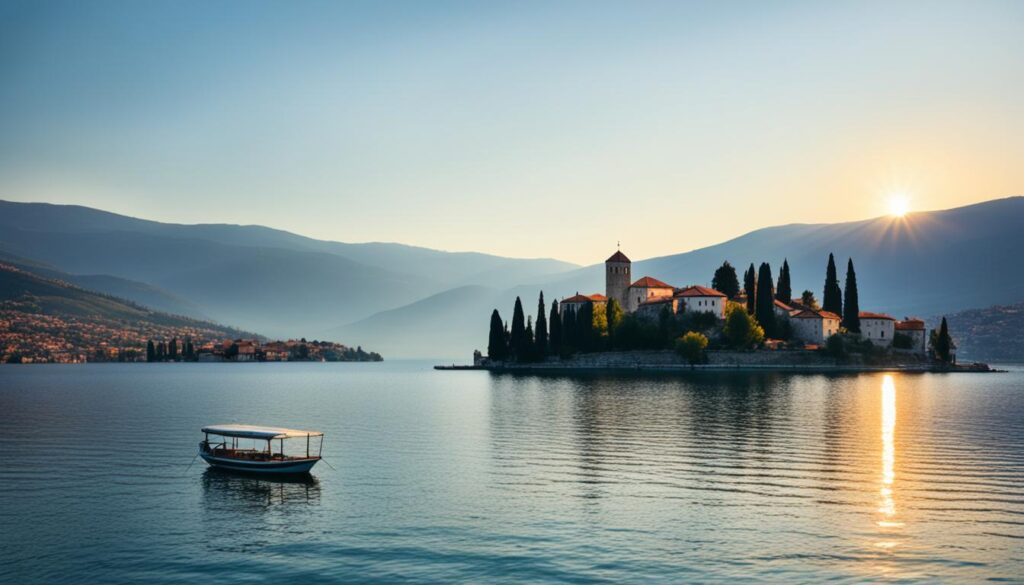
(466,476)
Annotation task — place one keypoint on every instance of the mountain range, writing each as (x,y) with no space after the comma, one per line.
(406,301)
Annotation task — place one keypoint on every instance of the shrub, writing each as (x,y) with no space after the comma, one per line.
(902,341)
(691,347)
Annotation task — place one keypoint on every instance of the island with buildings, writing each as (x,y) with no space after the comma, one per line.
(757,323)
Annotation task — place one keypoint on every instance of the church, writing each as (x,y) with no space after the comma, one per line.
(648,296)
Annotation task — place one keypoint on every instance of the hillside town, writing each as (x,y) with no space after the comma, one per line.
(28,336)
(760,313)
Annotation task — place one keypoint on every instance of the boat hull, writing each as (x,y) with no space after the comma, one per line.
(290,467)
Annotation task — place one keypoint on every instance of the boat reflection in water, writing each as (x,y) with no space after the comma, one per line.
(888,520)
(241,491)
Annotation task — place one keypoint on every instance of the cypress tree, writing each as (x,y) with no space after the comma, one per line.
(529,343)
(517,343)
(725,280)
(541,340)
(497,349)
(555,335)
(832,298)
(569,330)
(161,351)
(749,287)
(851,306)
(765,308)
(585,327)
(784,292)
(173,349)
(943,343)
(150,351)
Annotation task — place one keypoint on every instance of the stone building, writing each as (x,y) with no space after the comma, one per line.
(914,329)
(646,289)
(577,301)
(814,327)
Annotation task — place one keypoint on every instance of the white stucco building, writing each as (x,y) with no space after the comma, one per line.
(878,328)
(701,299)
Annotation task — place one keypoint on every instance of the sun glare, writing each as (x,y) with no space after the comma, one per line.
(899,204)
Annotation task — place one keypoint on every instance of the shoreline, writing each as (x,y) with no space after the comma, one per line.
(683,368)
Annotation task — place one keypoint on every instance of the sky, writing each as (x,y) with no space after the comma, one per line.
(526,129)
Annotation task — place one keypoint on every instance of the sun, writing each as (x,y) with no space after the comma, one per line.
(899,204)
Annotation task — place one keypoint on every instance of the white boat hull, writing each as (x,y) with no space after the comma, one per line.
(294,466)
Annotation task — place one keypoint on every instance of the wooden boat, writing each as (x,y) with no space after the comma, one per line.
(224,451)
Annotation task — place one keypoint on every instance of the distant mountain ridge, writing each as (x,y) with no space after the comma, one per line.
(269,280)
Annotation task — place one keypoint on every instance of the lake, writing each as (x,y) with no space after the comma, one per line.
(475,477)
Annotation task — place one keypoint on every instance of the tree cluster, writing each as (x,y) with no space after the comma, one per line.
(168,351)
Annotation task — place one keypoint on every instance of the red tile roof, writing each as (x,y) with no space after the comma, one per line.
(618,256)
(812,314)
(648,282)
(578,298)
(910,324)
(782,305)
(868,315)
(698,291)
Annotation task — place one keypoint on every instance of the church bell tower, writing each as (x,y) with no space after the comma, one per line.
(617,277)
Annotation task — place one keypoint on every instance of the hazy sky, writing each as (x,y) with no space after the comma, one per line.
(522,128)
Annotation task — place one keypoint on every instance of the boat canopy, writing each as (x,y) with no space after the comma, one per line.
(254,432)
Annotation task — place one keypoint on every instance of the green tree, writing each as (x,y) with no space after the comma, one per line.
(725,280)
(612,318)
(832,299)
(807,299)
(172,352)
(765,312)
(691,347)
(750,288)
(784,292)
(497,349)
(541,334)
(517,343)
(150,351)
(943,345)
(851,306)
(599,329)
(555,335)
(741,329)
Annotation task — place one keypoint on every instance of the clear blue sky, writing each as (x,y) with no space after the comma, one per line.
(522,128)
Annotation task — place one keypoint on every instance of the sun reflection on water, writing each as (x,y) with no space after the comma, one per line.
(887,507)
